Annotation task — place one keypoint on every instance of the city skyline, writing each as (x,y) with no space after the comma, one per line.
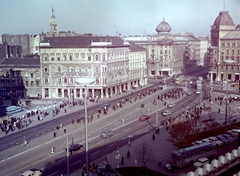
(107,17)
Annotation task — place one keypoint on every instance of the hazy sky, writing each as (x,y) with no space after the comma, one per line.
(105,17)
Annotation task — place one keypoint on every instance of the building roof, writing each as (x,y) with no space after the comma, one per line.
(223,19)
(193,38)
(163,27)
(20,62)
(83,41)
(135,47)
(232,35)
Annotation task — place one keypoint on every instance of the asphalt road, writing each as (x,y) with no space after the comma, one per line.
(56,163)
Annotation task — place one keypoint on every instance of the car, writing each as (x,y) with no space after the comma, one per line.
(107,133)
(74,147)
(233,135)
(189,93)
(190,82)
(106,171)
(197,142)
(170,105)
(166,112)
(200,162)
(223,139)
(198,92)
(216,141)
(228,137)
(32,173)
(144,117)
(106,105)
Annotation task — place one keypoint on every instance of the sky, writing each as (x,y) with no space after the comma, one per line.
(106,17)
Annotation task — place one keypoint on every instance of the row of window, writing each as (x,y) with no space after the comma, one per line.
(230,44)
(8,83)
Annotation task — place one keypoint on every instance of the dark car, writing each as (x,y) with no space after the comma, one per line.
(106,171)
(74,147)
(144,117)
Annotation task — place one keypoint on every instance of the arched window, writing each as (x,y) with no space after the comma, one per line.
(32,83)
(70,57)
(96,58)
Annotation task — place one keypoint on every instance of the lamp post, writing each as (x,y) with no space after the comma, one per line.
(84,82)
(227,61)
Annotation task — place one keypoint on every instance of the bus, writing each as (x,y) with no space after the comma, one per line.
(179,79)
(12,110)
(187,156)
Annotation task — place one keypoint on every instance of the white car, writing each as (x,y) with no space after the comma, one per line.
(200,162)
(216,141)
(32,173)
(170,105)
(166,112)
(198,92)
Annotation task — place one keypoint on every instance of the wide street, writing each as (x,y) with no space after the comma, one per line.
(39,155)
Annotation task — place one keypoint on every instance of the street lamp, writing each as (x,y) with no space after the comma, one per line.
(85,82)
(227,61)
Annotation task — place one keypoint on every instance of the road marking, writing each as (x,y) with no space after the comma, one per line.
(111,144)
(127,129)
(76,162)
(17,136)
(54,173)
(95,153)
(139,131)
(139,124)
(61,160)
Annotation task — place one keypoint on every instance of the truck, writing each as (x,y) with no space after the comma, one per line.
(179,79)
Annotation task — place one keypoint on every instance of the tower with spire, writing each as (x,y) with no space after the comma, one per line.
(53,24)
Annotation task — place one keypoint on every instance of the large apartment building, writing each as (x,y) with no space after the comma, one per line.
(225,45)
(117,66)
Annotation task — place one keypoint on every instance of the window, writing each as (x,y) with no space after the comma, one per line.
(52,59)
(31,75)
(32,83)
(58,58)
(70,57)
(26,84)
(46,80)
(59,69)
(89,58)
(64,57)
(71,80)
(104,57)
(96,58)
(65,80)
(232,52)
(45,69)
(45,59)
(59,80)
(233,45)
(36,47)
(37,83)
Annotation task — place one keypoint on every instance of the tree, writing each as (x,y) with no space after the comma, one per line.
(180,132)
(144,153)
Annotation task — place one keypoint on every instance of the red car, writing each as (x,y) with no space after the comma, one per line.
(144,117)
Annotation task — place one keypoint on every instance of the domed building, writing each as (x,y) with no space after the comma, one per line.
(225,44)
(163,27)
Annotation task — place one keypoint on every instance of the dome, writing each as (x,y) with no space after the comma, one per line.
(223,19)
(163,27)
(238,27)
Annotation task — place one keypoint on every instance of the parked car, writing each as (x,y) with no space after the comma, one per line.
(235,131)
(234,135)
(200,162)
(144,117)
(197,142)
(223,139)
(74,147)
(32,173)
(106,171)
(107,133)
(189,93)
(171,105)
(216,141)
(198,92)
(166,112)
(228,137)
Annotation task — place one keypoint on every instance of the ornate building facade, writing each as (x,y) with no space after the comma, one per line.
(105,58)
(225,45)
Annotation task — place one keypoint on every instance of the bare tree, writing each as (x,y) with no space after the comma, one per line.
(144,153)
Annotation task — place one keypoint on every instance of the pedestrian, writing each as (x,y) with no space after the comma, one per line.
(54,134)
(219,110)
(153,137)
(167,127)
(98,115)
(128,154)
(64,129)
(129,142)
(160,161)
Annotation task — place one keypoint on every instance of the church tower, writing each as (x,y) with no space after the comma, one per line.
(53,24)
